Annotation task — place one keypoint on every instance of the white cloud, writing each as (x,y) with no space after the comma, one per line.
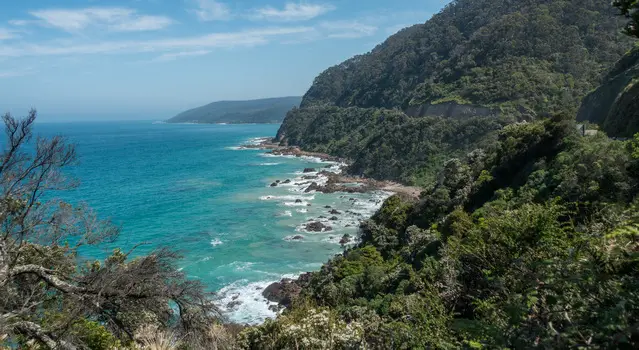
(292,12)
(348,29)
(143,23)
(211,10)
(175,55)
(21,22)
(197,43)
(112,18)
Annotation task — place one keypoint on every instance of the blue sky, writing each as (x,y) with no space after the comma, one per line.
(149,59)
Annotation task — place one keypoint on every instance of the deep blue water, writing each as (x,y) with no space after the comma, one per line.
(189,188)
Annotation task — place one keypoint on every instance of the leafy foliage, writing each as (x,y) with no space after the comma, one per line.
(540,55)
(387,144)
(530,242)
(501,60)
(630,9)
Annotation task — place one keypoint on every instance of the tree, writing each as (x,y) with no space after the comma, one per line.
(47,296)
(630,9)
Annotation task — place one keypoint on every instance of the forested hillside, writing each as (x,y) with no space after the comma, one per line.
(543,55)
(529,243)
(269,110)
(528,240)
(520,58)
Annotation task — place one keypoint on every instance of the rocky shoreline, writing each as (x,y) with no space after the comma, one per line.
(336,181)
(329,179)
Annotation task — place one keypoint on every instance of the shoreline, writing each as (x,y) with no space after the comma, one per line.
(330,179)
(337,182)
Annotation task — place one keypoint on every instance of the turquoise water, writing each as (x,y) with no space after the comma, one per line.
(190,188)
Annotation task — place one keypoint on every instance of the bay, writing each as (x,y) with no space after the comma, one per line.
(190,188)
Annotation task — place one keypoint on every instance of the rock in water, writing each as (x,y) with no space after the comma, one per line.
(317,226)
(309,170)
(282,292)
(345,239)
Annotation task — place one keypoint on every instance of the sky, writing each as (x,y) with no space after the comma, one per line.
(150,59)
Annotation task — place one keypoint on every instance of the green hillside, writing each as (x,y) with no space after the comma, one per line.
(270,110)
(518,59)
(526,235)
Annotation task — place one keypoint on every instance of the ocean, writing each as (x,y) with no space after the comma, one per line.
(192,189)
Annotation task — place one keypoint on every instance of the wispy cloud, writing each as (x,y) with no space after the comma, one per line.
(211,10)
(348,29)
(16,73)
(117,19)
(175,55)
(292,12)
(6,34)
(245,38)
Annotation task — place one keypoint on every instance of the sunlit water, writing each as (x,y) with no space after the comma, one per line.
(189,188)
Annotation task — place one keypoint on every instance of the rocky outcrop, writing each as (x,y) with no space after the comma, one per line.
(615,104)
(334,183)
(317,226)
(282,292)
(286,290)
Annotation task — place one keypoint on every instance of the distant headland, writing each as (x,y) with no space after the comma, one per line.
(262,111)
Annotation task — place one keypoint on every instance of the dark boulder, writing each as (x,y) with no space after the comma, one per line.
(282,292)
(317,226)
(309,170)
(345,239)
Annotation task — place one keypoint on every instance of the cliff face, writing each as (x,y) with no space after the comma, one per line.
(615,104)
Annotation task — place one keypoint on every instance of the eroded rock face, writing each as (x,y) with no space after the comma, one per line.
(614,105)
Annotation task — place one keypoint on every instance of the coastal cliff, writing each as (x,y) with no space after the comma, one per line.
(441,89)
(615,104)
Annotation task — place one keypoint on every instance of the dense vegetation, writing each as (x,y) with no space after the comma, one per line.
(388,144)
(522,59)
(529,239)
(542,55)
(269,110)
(614,105)
(531,242)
